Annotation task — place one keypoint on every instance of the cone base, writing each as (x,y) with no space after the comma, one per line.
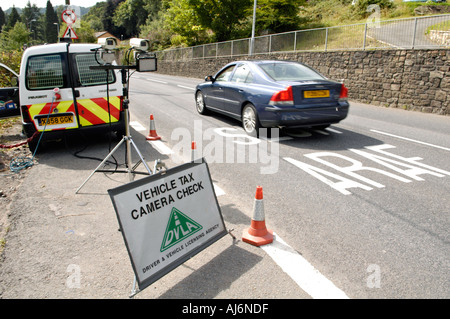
(260,239)
(153,137)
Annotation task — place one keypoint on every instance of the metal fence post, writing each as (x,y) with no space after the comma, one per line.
(414,33)
(365,36)
(295,41)
(326,39)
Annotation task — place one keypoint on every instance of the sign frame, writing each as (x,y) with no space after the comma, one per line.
(69,17)
(129,235)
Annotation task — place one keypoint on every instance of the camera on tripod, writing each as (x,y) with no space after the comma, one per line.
(145,62)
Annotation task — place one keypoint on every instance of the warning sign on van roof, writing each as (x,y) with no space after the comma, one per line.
(167,218)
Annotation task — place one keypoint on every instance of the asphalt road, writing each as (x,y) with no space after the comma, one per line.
(359,210)
(365,202)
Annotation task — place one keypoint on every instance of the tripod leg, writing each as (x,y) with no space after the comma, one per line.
(141,157)
(102,163)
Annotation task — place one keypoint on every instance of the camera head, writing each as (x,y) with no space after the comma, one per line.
(140,44)
(108,43)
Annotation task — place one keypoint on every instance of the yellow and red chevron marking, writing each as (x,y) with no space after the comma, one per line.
(90,111)
(44,109)
(95,111)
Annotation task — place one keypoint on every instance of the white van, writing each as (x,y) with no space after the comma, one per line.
(60,94)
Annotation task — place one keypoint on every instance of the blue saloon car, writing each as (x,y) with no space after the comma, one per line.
(276,93)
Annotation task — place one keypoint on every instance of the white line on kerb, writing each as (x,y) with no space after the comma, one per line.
(301,271)
(411,140)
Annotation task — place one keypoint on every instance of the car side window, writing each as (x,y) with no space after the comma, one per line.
(224,76)
(242,75)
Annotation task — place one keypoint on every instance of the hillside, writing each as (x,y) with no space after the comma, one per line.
(328,13)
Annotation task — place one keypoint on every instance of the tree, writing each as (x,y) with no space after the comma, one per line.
(50,29)
(15,38)
(2,19)
(130,14)
(107,18)
(183,20)
(222,17)
(13,18)
(278,16)
(31,16)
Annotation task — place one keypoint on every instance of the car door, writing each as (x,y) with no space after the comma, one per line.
(214,95)
(235,90)
(9,92)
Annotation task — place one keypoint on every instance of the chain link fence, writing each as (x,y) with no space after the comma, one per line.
(411,33)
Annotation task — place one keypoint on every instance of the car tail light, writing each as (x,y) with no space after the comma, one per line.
(284,97)
(25,115)
(344,93)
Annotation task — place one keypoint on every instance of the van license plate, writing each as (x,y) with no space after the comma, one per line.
(56,120)
(316,94)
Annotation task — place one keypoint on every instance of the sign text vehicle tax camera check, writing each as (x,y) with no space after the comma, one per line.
(167,218)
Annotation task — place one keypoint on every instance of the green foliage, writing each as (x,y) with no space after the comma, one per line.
(11,59)
(15,38)
(363,9)
(222,17)
(278,15)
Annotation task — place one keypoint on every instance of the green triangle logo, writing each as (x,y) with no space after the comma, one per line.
(178,228)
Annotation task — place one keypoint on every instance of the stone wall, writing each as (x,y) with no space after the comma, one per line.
(409,79)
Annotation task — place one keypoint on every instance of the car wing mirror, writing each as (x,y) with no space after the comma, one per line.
(209,78)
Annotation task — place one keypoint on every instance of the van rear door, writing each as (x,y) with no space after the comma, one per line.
(93,89)
(82,94)
(44,70)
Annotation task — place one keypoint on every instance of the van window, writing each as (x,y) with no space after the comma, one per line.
(86,76)
(45,72)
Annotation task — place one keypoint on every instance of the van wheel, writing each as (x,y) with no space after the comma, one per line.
(32,145)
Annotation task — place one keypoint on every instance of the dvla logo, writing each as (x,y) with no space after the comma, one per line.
(178,228)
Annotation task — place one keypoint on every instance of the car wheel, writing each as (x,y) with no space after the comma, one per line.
(200,103)
(250,121)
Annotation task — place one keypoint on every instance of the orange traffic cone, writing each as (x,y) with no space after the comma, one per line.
(152,136)
(193,148)
(257,234)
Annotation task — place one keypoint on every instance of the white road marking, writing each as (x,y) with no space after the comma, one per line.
(161,147)
(333,130)
(186,87)
(162,82)
(301,271)
(411,140)
(137,126)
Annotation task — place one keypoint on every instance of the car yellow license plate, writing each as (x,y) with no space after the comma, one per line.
(56,120)
(316,94)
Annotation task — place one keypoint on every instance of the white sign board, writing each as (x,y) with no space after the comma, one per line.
(167,218)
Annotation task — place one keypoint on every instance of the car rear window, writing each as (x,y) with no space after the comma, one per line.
(290,72)
(45,72)
(86,76)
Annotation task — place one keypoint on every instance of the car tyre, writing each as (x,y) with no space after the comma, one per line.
(250,120)
(200,103)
